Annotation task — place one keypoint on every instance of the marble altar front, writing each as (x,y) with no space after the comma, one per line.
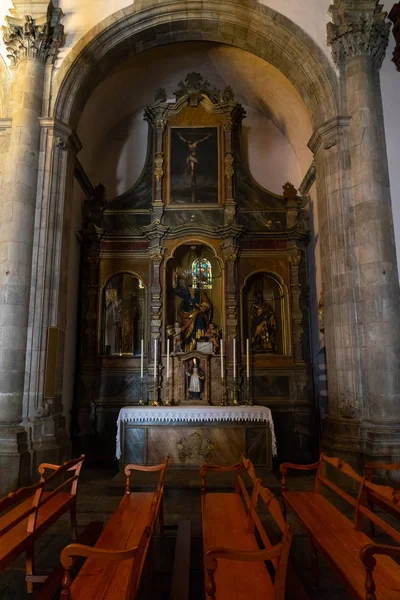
(195,435)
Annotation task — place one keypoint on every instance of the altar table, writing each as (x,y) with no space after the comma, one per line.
(193,435)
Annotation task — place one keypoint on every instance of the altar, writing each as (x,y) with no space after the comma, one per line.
(195,435)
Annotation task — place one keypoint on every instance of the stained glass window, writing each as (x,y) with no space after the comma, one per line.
(202,273)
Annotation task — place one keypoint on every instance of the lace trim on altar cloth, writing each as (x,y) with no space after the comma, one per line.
(193,414)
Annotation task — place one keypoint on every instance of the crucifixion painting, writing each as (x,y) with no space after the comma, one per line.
(194,165)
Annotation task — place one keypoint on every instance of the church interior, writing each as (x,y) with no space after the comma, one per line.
(199,299)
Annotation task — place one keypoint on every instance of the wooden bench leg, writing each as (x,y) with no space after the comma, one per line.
(161,517)
(314,567)
(74,532)
(29,568)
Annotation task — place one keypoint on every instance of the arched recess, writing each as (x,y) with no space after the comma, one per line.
(131,301)
(194,247)
(247,25)
(281,301)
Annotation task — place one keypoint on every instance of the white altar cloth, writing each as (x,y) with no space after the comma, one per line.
(152,414)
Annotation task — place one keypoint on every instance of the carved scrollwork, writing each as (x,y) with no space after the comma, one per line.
(227,124)
(230,253)
(346,408)
(229,170)
(158,166)
(195,446)
(295,258)
(156,254)
(60,143)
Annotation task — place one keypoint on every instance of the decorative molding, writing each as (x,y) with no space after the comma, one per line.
(60,143)
(230,252)
(38,38)
(308,180)
(328,131)
(5,124)
(156,254)
(154,231)
(295,258)
(394,16)
(229,170)
(357,29)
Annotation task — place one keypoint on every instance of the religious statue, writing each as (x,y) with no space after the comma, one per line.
(263,325)
(213,336)
(120,320)
(177,337)
(196,381)
(194,312)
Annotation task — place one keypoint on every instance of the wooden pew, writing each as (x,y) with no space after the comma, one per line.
(28,512)
(340,538)
(114,565)
(234,563)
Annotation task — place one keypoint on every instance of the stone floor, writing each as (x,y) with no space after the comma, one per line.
(99,494)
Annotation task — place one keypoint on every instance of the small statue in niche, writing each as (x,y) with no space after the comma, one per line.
(263,325)
(213,335)
(177,337)
(196,381)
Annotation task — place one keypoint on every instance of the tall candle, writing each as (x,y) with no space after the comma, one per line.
(248,357)
(141,359)
(168,373)
(234,358)
(155,359)
(222,359)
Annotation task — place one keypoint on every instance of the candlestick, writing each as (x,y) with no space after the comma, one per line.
(222,359)
(141,359)
(168,373)
(234,358)
(155,360)
(248,358)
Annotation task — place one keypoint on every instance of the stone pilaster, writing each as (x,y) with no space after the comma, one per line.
(30,43)
(362,318)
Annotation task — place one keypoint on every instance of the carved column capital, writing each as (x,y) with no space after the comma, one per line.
(394,16)
(37,38)
(357,29)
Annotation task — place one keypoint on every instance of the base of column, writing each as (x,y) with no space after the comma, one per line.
(50,442)
(359,442)
(15,460)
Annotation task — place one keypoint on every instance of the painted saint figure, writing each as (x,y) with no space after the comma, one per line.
(263,325)
(194,313)
(192,161)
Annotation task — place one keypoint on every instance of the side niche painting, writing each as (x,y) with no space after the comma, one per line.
(123,315)
(194,161)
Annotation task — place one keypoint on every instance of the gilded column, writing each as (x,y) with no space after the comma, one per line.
(358,36)
(30,47)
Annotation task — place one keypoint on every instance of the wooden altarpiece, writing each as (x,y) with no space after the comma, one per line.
(196,194)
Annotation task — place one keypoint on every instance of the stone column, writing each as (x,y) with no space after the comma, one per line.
(361,288)
(29,47)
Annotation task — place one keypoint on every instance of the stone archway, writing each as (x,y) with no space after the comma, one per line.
(346,177)
(248,25)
